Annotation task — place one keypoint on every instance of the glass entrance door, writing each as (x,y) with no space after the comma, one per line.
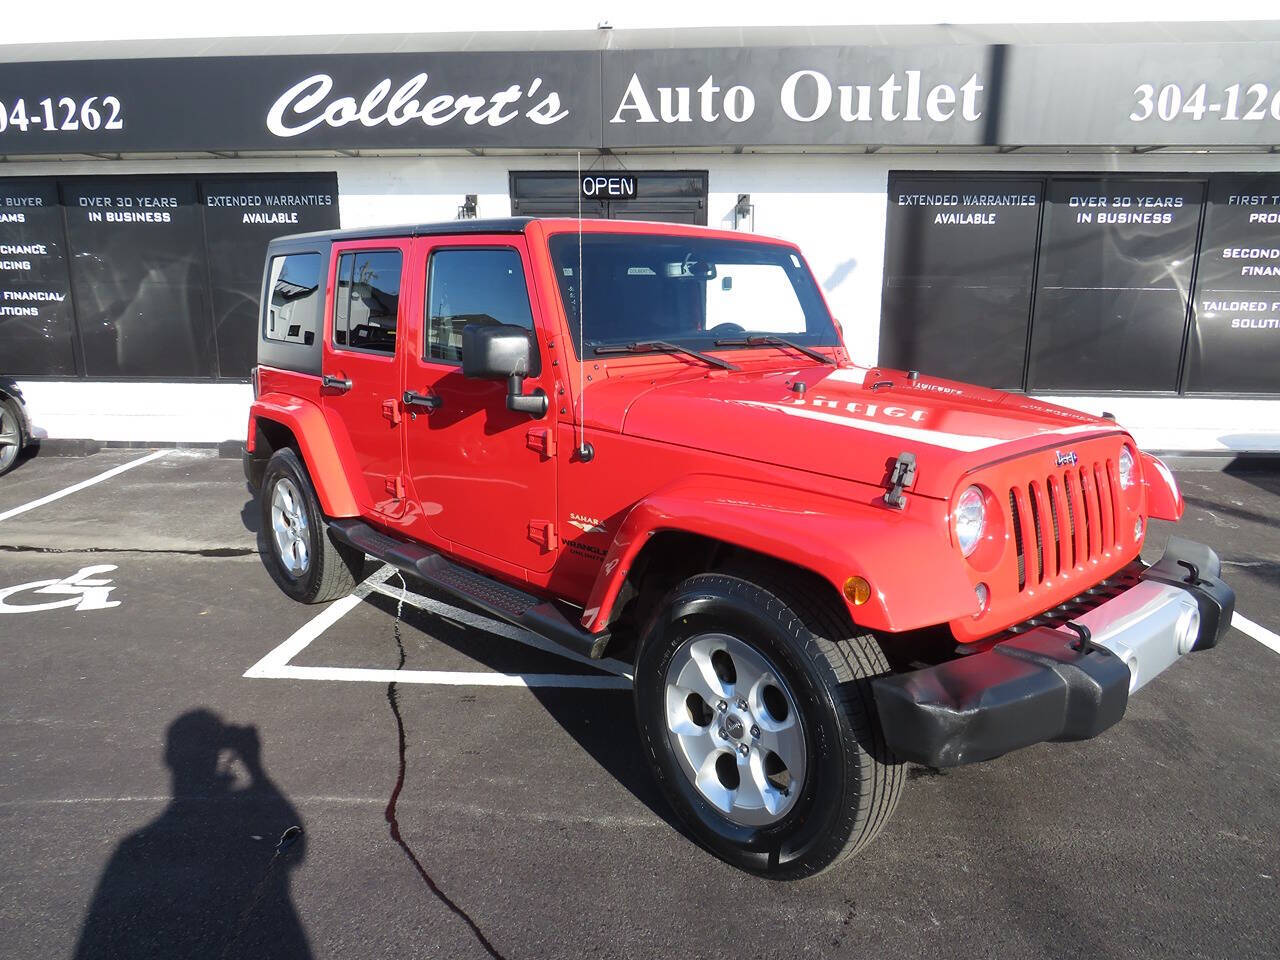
(673,196)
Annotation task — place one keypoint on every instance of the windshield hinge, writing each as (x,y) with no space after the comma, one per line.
(901,476)
(543,440)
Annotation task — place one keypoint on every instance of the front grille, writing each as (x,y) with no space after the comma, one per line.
(1088,497)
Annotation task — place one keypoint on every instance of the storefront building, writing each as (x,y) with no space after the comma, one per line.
(1090,216)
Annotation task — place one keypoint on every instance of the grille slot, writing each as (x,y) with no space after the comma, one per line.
(1071,516)
(1113,486)
(1035,523)
(1085,493)
(1017,540)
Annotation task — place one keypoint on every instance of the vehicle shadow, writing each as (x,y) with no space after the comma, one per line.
(1262,473)
(251,512)
(209,877)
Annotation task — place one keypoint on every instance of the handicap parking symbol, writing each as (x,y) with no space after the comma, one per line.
(83,590)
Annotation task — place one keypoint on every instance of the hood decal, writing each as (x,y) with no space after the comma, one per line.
(952,441)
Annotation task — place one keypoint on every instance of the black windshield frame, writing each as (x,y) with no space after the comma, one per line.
(604,254)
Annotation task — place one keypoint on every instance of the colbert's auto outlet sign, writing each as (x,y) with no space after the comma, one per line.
(938,95)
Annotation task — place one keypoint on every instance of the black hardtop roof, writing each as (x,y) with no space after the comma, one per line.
(448,227)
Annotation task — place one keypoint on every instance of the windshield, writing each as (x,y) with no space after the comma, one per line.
(691,291)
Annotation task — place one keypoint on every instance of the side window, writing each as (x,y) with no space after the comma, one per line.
(293,299)
(472,286)
(367,300)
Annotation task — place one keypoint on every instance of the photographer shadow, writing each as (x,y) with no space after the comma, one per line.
(209,877)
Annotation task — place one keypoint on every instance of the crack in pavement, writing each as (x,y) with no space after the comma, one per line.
(188,552)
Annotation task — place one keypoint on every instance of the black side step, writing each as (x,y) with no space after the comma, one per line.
(494,598)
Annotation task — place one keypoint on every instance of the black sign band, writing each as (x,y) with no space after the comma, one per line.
(1145,94)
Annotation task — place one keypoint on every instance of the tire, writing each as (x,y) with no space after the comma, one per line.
(12,437)
(297,549)
(841,794)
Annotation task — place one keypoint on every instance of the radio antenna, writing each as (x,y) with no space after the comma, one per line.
(582,345)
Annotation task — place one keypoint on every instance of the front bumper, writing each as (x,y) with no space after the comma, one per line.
(1068,683)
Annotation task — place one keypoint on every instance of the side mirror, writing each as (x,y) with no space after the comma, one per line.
(502,351)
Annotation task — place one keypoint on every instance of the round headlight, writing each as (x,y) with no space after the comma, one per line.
(1126,467)
(970,519)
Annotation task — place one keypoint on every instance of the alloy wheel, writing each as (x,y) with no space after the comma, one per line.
(735,729)
(290,528)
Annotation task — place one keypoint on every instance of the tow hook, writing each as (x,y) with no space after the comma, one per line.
(902,475)
(1080,630)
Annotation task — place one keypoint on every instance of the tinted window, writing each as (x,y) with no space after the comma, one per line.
(1235,346)
(472,286)
(241,214)
(293,304)
(367,301)
(691,290)
(36,324)
(959,260)
(1112,288)
(139,275)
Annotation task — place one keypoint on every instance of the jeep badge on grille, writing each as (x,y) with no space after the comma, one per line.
(1068,459)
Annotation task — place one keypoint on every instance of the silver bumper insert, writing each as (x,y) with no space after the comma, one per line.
(1149,626)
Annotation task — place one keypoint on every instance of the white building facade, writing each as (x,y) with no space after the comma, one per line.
(1087,213)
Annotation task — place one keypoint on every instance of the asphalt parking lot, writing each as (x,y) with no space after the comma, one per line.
(168,714)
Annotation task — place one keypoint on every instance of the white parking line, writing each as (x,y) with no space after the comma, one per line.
(67,491)
(276,664)
(1257,631)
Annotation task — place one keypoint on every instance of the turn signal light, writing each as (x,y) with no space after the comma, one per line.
(857,591)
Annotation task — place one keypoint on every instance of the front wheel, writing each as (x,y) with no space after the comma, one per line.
(758,720)
(304,560)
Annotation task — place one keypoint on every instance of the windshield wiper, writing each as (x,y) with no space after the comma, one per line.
(648,346)
(772,341)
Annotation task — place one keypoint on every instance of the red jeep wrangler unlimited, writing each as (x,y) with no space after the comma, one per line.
(649,440)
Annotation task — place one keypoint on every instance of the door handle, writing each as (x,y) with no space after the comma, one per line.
(428,400)
(341,384)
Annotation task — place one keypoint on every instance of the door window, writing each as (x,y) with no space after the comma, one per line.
(367,300)
(472,286)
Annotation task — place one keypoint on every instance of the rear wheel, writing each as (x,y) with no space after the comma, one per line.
(10,433)
(757,717)
(303,559)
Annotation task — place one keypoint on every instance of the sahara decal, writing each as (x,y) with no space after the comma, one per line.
(587,524)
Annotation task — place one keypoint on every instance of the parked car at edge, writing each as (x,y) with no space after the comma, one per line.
(648,442)
(15,427)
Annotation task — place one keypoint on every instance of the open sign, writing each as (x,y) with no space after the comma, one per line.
(608,186)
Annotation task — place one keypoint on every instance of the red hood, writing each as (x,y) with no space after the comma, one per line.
(840,426)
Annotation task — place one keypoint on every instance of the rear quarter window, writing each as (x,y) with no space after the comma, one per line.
(292,309)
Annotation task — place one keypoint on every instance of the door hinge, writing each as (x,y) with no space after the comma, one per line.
(395,487)
(543,440)
(391,410)
(543,532)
